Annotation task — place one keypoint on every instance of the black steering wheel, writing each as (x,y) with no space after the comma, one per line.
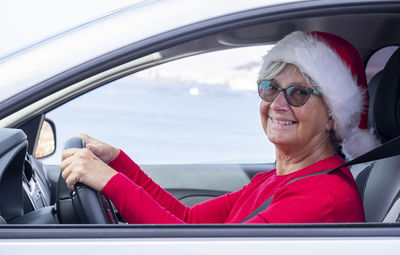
(84,205)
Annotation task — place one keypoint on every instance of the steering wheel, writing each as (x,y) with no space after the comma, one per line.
(84,205)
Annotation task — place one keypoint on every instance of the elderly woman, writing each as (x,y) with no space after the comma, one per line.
(312,87)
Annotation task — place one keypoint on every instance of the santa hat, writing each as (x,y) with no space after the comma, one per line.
(338,72)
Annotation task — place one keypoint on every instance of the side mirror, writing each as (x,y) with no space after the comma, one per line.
(46,144)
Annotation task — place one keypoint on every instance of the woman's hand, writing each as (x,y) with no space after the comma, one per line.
(81,165)
(103,151)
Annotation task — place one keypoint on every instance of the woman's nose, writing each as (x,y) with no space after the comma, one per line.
(280,102)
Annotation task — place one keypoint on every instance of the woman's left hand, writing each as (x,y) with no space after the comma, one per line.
(81,165)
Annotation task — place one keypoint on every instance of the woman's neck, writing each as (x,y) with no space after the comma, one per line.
(288,161)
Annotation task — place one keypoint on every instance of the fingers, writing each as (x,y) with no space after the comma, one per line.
(73,164)
(91,143)
(88,165)
(102,150)
(68,153)
(86,139)
(74,154)
(66,168)
(71,178)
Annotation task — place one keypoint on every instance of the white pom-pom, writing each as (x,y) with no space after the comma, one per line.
(358,142)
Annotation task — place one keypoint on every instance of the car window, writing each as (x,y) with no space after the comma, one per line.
(378,60)
(200,109)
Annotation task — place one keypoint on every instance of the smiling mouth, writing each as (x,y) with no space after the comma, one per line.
(282,122)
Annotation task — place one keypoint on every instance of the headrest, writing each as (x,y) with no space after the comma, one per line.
(386,111)
(372,87)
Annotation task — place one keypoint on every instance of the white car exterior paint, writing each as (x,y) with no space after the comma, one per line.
(185,246)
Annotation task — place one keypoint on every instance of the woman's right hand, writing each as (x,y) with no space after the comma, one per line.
(103,151)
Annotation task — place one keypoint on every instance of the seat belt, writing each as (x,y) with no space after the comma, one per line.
(386,150)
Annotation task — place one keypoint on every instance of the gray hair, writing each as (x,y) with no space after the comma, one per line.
(276,67)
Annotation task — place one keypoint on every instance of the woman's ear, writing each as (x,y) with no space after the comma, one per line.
(329,124)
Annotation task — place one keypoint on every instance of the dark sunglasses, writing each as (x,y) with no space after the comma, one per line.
(295,95)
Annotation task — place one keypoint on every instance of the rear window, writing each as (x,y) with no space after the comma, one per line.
(378,60)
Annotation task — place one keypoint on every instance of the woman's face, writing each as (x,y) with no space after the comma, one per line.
(297,127)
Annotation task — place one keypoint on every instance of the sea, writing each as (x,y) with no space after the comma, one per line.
(168,122)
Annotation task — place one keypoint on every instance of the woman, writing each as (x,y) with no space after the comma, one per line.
(323,83)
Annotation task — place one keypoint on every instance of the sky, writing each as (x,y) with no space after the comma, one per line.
(24,22)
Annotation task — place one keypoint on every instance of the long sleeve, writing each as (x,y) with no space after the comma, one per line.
(136,205)
(130,169)
(140,200)
(320,198)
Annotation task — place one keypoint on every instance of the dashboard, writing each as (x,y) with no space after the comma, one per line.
(25,196)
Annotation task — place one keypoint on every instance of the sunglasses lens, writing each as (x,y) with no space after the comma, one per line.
(267,91)
(297,96)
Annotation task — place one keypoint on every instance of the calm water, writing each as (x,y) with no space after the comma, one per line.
(168,122)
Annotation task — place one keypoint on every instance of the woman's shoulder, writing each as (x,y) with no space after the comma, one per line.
(263,175)
(339,183)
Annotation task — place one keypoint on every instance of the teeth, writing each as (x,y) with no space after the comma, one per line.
(282,122)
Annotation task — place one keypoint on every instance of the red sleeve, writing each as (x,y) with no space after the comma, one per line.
(123,164)
(129,168)
(135,204)
(140,200)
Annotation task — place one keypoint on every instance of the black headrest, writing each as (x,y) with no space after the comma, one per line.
(386,105)
(372,87)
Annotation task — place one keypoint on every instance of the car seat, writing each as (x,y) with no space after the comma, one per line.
(379,181)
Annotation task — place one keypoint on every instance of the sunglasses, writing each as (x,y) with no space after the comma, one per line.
(295,95)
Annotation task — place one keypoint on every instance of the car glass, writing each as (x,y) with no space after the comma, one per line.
(200,109)
(378,60)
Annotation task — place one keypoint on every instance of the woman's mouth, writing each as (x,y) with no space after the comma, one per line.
(282,121)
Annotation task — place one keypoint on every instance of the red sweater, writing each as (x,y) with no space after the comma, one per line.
(329,197)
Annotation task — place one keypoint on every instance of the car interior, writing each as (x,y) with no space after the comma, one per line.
(379,182)
(32,193)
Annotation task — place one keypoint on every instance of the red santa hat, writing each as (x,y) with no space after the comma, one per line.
(338,73)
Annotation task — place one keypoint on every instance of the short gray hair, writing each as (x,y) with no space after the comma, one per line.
(277,66)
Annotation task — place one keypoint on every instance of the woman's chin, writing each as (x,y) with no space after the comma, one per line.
(282,138)
(282,135)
